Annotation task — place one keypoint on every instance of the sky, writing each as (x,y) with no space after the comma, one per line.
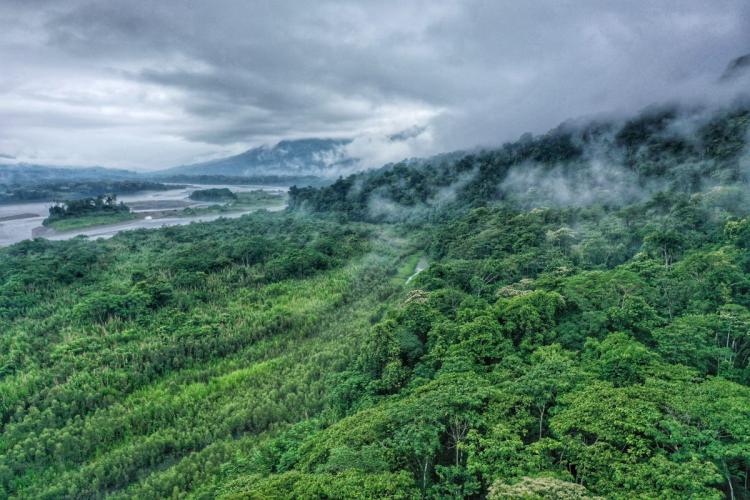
(151,84)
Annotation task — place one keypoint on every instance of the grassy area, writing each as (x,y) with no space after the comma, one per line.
(71,223)
(261,199)
(407,268)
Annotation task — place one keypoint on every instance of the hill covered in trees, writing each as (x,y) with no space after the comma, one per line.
(581,329)
(608,163)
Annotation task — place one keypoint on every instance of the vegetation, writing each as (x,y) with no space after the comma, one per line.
(213,194)
(555,346)
(243,201)
(607,164)
(74,214)
(71,190)
(84,221)
(30,175)
(262,180)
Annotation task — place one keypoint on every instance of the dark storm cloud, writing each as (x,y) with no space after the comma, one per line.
(174,80)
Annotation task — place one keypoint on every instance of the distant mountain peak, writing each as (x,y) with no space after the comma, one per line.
(310,142)
(323,157)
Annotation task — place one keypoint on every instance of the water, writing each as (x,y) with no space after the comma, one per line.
(13,231)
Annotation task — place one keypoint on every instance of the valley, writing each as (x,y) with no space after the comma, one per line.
(406,250)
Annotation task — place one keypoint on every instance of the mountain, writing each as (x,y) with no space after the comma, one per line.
(318,157)
(302,161)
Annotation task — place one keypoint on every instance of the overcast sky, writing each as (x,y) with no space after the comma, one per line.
(149,84)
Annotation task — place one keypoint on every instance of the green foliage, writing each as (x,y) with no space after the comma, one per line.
(115,358)
(538,488)
(26,190)
(347,485)
(555,350)
(80,222)
(70,214)
(648,151)
(213,194)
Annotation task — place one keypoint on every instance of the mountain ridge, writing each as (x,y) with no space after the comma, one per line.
(311,156)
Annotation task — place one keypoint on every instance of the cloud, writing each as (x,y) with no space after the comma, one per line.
(151,84)
(738,68)
(409,133)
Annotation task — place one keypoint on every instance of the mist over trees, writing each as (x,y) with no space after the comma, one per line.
(664,148)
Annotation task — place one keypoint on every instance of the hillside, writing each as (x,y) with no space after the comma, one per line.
(302,157)
(608,163)
(566,316)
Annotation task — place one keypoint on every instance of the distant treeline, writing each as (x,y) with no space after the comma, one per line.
(76,189)
(25,174)
(265,180)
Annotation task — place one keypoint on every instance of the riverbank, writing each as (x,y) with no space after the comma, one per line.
(18,217)
(152,210)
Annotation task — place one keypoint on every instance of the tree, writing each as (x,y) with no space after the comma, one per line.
(619,359)
(665,244)
(552,372)
(690,340)
(538,488)
(529,318)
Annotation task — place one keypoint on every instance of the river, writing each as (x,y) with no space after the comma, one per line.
(18,221)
